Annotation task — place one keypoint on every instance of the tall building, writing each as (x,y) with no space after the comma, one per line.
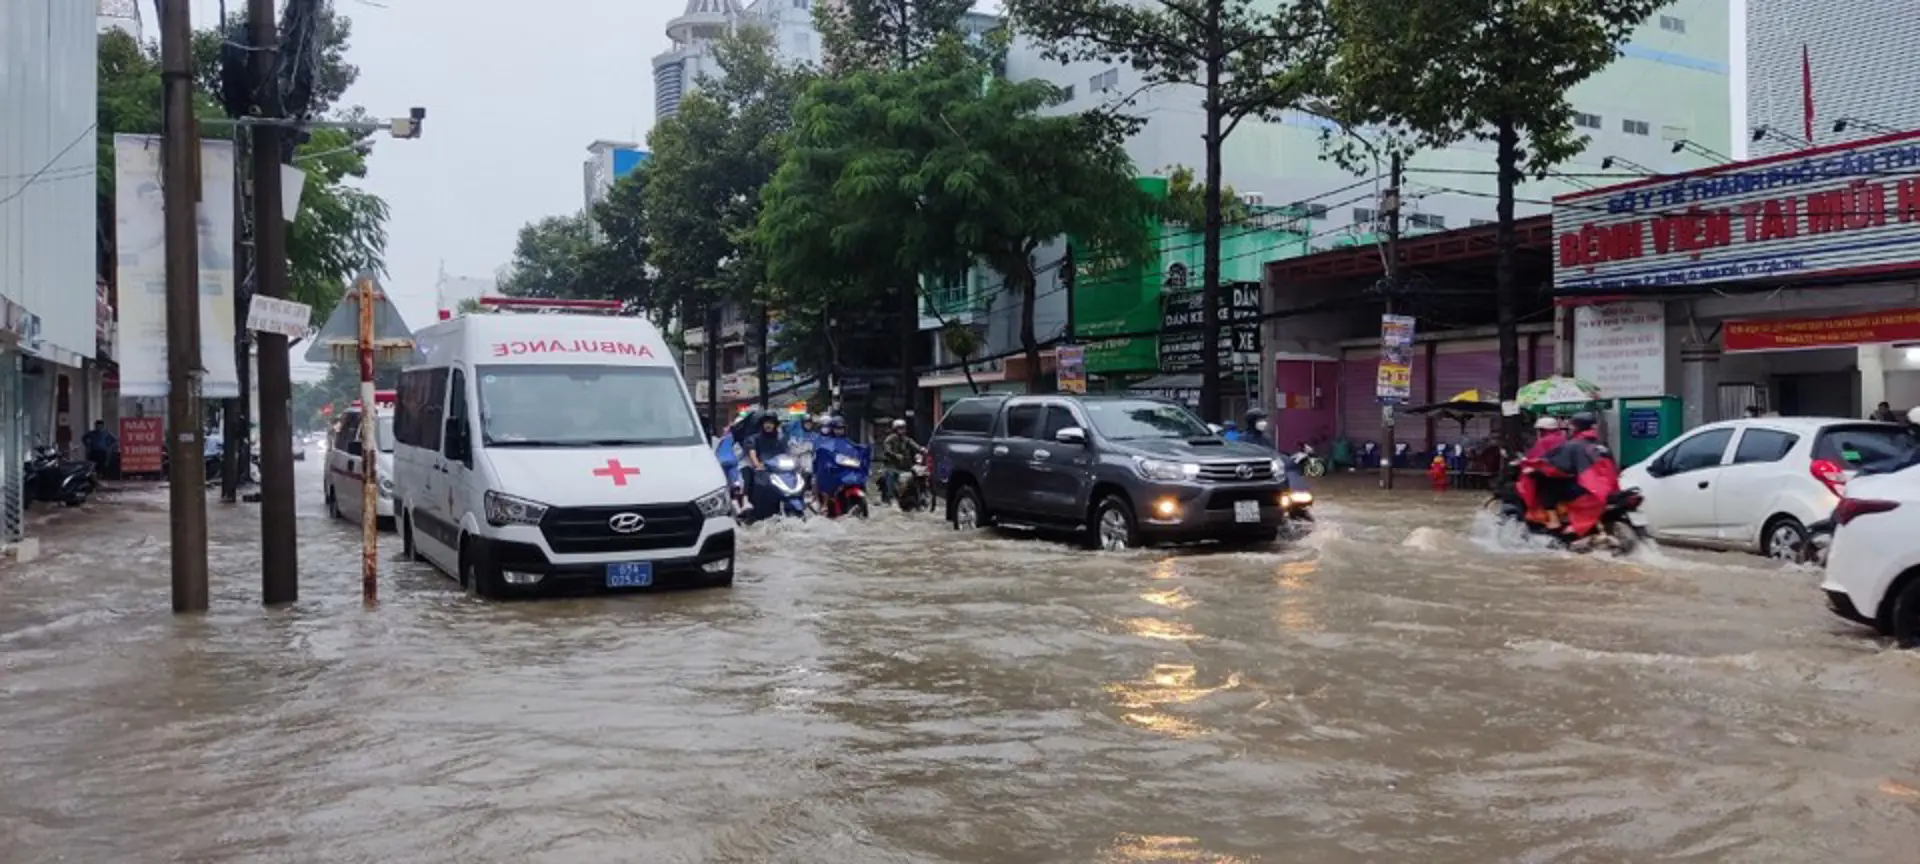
(1860,80)
(693,33)
(122,15)
(1681,54)
(606,163)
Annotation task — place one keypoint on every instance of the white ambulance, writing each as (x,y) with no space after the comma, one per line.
(563,451)
(345,489)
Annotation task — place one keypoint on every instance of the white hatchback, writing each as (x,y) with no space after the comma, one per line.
(1873,566)
(1756,484)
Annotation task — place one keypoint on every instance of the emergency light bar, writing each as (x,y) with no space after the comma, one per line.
(551,305)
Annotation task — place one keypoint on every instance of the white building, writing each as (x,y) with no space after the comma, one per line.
(1864,79)
(122,15)
(693,33)
(49,334)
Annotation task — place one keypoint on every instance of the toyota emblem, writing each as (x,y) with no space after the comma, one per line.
(626,523)
(1243,472)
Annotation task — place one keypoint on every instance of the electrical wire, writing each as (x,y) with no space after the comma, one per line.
(35,176)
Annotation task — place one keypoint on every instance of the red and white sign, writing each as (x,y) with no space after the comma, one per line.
(1622,348)
(1851,209)
(583,347)
(141,441)
(1796,334)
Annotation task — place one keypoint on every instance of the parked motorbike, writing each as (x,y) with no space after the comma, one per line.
(778,490)
(48,477)
(843,480)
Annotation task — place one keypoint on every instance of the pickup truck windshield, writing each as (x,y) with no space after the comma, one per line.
(584,406)
(1133,420)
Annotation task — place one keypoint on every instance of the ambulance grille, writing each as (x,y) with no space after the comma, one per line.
(585,530)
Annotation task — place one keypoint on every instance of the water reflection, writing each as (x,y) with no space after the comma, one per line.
(1163,849)
(1301,599)
(1157,702)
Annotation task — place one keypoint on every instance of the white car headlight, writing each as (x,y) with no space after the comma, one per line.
(386,486)
(715,503)
(845,461)
(508,510)
(1156,469)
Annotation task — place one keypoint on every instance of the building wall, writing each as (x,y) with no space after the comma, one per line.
(48,93)
(1686,64)
(1861,56)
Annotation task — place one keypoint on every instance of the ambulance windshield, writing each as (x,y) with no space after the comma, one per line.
(585,406)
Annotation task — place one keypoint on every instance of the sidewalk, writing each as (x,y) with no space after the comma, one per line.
(52,527)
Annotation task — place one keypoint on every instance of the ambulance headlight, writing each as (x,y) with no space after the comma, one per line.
(715,504)
(508,510)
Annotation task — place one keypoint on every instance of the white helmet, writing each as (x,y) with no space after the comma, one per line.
(1546,423)
(899,424)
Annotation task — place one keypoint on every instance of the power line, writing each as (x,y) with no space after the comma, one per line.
(84,135)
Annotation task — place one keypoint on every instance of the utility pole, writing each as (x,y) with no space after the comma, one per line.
(279,554)
(237,465)
(713,364)
(1068,275)
(187,475)
(369,453)
(1390,208)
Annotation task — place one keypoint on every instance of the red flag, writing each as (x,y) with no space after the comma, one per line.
(1806,90)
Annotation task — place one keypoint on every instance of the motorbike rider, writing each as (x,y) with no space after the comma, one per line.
(1588,469)
(833,439)
(801,441)
(1549,436)
(764,445)
(898,452)
(1256,428)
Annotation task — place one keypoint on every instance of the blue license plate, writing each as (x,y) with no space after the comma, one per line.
(630,574)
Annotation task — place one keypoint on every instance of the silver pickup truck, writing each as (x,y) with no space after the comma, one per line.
(1121,471)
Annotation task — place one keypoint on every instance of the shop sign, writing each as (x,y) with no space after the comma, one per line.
(1070,369)
(1622,348)
(141,441)
(1393,384)
(1848,209)
(1795,334)
(1183,316)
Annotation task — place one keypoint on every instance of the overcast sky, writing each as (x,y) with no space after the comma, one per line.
(514,92)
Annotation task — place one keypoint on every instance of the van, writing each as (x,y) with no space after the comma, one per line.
(556,451)
(343,485)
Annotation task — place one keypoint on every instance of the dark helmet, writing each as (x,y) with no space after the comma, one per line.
(1255,416)
(1583,421)
(837,423)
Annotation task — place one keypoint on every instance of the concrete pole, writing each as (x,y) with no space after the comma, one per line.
(187,475)
(279,542)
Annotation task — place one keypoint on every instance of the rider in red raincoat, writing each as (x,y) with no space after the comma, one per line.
(1530,481)
(1595,475)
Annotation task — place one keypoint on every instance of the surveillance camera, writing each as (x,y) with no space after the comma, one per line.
(417,113)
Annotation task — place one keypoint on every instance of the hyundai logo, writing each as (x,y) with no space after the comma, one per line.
(626,523)
(1243,472)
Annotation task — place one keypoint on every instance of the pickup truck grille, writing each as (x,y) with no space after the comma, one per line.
(579,530)
(1230,472)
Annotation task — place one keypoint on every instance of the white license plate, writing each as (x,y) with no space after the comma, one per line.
(1246,511)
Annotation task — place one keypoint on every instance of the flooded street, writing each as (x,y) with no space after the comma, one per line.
(1388,690)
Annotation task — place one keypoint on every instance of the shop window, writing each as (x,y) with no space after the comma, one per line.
(1672,24)
(1586,121)
(1636,127)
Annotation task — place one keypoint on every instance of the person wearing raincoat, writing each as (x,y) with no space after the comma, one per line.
(1594,473)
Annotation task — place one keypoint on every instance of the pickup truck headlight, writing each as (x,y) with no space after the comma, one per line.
(1156,469)
(1277,469)
(715,503)
(508,510)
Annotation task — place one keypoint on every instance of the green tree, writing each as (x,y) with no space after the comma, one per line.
(618,267)
(1186,201)
(552,258)
(1248,58)
(1442,71)
(884,34)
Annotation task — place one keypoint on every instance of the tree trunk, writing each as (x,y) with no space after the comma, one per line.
(1505,241)
(1210,277)
(1022,281)
(909,386)
(763,362)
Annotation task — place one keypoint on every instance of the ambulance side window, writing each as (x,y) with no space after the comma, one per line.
(456,392)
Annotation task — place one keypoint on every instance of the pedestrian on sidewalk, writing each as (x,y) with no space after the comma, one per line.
(102,448)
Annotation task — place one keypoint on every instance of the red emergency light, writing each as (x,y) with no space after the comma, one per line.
(381,399)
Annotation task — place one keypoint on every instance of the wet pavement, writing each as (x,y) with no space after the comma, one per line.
(1394,688)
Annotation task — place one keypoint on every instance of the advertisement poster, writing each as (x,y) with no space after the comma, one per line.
(1394,385)
(1622,348)
(1795,334)
(1070,369)
(140,233)
(141,441)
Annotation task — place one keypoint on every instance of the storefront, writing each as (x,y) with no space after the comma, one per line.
(1785,284)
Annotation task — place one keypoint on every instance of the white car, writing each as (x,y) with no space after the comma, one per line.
(1873,566)
(1756,484)
(345,490)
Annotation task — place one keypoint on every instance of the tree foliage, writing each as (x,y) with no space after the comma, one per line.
(1186,201)
(552,258)
(884,34)
(1442,71)
(1248,58)
(562,257)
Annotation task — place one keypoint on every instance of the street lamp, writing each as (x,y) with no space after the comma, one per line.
(1841,125)
(1764,131)
(1688,144)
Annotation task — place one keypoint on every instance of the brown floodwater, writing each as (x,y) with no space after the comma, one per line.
(1397,687)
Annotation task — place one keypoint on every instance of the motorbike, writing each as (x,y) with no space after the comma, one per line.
(915,492)
(779,491)
(843,480)
(1297,500)
(1309,462)
(50,478)
(1614,531)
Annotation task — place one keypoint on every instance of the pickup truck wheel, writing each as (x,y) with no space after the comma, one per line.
(968,512)
(1113,525)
